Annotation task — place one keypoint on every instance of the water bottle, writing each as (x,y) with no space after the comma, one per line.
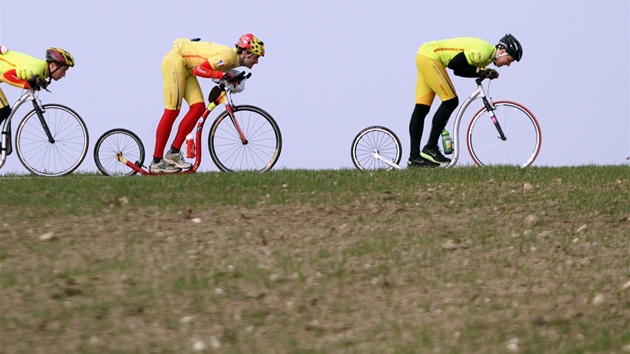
(190,146)
(447,142)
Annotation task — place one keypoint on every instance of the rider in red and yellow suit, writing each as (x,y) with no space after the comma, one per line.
(180,68)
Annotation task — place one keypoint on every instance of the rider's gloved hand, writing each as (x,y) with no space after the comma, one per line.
(235,79)
(228,77)
(33,82)
(489,74)
(37,83)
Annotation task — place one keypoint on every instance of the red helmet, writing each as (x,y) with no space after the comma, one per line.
(250,42)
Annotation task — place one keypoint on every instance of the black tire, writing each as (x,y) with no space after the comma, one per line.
(52,159)
(262,146)
(114,142)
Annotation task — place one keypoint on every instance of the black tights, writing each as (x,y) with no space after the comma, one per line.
(416,124)
(4,113)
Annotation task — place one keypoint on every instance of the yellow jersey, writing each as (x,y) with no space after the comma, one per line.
(219,56)
(478,52)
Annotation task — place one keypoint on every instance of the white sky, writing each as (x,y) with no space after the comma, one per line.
(333,67)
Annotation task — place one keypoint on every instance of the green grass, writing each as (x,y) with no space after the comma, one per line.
(292,261)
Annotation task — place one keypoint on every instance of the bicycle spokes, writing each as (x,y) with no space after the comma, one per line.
(508,135)
(376,147)
(53,141)
(119,152)
(250,140)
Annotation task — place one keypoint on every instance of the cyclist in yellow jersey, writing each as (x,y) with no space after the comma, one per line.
(23,71)
(180,68)
(467,57)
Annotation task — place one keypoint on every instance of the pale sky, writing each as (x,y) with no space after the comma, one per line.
(333,67)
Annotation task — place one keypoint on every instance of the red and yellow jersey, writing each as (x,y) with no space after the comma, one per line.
(478,52)
(16,68)
(220,57)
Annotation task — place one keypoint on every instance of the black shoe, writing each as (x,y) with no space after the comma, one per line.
(421,162)
(434,155)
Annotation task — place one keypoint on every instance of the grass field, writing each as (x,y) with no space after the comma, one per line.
(462,260)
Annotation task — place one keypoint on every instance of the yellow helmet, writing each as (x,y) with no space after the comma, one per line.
(59,56)
(250,42)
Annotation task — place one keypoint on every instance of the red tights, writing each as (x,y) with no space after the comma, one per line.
(166,125)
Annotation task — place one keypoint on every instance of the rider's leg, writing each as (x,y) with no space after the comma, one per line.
(5,108)
(5,112)
(424,99)
(431,151)
(174,74)
(440,83)
(187,125)
(163,132)
(440,119)
(194,97)
(416,127)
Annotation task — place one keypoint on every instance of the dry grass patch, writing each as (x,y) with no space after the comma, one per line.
(313,262)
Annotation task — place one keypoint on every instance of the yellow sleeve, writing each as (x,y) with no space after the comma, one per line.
(16,68)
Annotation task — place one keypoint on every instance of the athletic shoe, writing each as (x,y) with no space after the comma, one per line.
(421,162)
(163,167)
(434,155)
(177,160)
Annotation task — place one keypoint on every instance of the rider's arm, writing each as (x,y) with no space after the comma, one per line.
(206,70)
(459,65)
(11,77)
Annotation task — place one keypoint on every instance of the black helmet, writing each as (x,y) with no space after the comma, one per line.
(512,46)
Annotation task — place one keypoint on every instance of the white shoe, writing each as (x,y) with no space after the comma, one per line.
(163,167)
(177,160)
